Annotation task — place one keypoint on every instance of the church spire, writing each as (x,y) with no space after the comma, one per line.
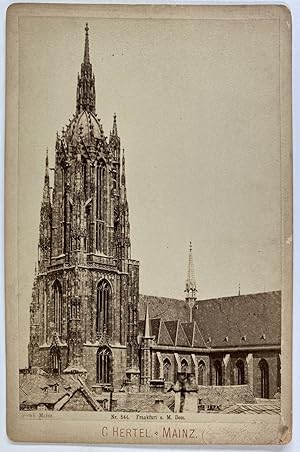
(46,190)
(123,180)
(86,58)
(190,284)
(86,95)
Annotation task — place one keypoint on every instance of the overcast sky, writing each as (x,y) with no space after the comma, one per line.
(197,105)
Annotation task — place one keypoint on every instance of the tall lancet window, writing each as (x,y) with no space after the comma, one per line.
(55,360)
(57,295)
(218,373)
(88,238)
(201,373)
(264,379)
(184,366)
(167,369)
(103,307)
(103,365)
(100,208)
(240,372)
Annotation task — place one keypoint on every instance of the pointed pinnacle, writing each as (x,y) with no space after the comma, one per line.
(190,285)
(123,168)
(115,129)
(86,58)
(147,323)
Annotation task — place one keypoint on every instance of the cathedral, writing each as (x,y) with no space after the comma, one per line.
(87,317)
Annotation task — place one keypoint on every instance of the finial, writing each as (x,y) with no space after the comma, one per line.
(239,293)
(86,58)
(114,129)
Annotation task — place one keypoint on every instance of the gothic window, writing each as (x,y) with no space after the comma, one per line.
(103,365)
(100,186)
(55,360)
(264,378)
(240,372)
(201,373)
(167,369)
(103,307)
(184,365)
(84,175)
(57,295)
(64,209)
(45,316)
(218,373)
(88,246)
(70,226)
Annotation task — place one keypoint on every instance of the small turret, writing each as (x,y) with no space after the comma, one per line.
(190,284)
(45,221)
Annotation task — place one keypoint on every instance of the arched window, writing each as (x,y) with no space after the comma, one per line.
(88,238)
(218,373)
(55,360)
(70,226)
(103,307)
(104,365)
(167,370)
(184,366)
(240,372)
(100,186)
(84,174)
(264,378)
(57,299)
(201,373)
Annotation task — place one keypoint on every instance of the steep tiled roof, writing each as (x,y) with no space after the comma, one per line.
(172,327)
(224,396)
(163,307)
(188,328)
(266,407)
(181,338)
(45,399)
(143,402)
(164,337)
(242,320)
(37,388)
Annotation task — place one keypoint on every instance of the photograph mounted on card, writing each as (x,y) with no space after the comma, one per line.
(148,224)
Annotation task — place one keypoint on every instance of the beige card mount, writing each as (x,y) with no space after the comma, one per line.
(148,224)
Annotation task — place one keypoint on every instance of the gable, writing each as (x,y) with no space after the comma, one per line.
(188,328)
(77,402)
(172,329)
(164,337)
(181,339)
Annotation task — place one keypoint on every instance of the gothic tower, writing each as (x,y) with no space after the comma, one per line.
(83,314)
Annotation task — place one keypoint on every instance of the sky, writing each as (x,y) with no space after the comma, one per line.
(197,105)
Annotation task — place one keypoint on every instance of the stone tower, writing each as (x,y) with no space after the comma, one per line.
(83,314)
